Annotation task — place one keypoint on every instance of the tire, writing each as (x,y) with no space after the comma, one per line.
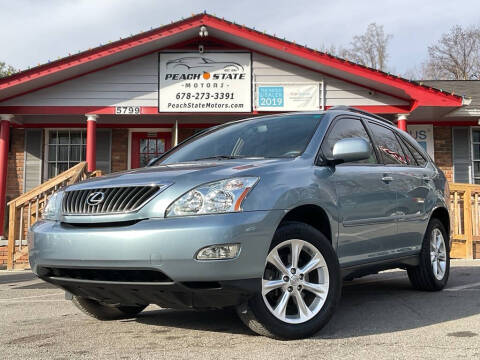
(99,311)
(426,276)
(258,313)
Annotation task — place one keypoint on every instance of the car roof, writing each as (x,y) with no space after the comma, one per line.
(333,112)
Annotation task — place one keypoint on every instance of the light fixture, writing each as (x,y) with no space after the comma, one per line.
(219,252)
(203,31)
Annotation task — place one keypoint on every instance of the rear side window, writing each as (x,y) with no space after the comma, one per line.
(347,128)
(388,145)
(408,155)
(415,153)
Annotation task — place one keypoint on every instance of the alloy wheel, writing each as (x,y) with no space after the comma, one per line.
(295,282)
(438,254)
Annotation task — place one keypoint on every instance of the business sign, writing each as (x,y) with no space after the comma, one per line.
(287,97)
(424,136)
(211,82)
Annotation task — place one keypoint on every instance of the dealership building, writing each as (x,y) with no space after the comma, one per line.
(118,105)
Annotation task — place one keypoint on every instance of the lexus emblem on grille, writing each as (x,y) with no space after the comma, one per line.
(95,198)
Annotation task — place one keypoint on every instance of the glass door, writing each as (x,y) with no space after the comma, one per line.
(148,145)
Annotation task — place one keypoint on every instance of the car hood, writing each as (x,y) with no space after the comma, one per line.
(198,172)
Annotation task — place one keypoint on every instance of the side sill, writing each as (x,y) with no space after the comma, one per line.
(357,271)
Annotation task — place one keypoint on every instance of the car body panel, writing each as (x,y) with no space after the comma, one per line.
(169,245)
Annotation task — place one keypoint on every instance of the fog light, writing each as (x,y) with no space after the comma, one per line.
(219,252)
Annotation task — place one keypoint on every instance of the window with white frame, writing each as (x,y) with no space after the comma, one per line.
(476,155)
(65,148)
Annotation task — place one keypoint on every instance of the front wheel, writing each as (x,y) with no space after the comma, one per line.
(434,267)
(301,285)
(101,311)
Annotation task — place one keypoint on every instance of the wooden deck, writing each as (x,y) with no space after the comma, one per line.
(465,220)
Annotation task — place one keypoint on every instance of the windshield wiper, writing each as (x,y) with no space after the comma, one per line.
(220,157)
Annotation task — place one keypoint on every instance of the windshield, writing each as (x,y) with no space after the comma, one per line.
(272,137)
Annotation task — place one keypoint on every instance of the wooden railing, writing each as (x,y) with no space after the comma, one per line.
(465,220)
(26,209)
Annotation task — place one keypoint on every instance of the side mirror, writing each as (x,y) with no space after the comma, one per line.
(351,149)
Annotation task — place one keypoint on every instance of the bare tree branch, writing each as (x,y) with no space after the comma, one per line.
(456,56)
(370,48)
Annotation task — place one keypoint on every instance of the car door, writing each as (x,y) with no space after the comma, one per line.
(408,183)
(366,201)
(417,189)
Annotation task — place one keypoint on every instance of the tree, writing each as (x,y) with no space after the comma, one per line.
(6,70)
(456,56)
(370,48)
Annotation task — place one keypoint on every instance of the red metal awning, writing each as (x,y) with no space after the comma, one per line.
(163,37)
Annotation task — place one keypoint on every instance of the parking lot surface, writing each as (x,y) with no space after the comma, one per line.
(380,317)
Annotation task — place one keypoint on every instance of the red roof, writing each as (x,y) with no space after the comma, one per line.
(154,40)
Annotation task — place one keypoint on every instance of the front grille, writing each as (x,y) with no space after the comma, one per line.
(114,275)
(113,200)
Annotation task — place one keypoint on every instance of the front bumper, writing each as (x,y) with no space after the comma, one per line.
(165,245)
(197,295)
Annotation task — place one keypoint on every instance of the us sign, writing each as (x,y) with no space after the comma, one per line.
(424,136)
(212,82)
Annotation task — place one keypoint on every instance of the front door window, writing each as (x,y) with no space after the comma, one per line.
(148,145)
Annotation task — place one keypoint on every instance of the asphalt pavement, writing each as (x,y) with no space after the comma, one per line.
(380,317)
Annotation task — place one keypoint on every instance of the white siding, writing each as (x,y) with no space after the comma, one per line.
(337,92)
(131,83)
(136,83)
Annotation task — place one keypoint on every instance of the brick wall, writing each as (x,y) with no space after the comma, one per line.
(15,164)
(3,257)
(14,179)
(119,149)
(14,169)
(443,149)
(23,260)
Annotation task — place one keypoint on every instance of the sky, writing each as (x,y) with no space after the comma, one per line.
(35,31)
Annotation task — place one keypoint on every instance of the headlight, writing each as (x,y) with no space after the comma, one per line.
(50,211)
(222,196)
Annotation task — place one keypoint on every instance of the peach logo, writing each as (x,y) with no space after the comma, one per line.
(206,75)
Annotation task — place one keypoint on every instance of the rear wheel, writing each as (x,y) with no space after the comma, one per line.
(301,285)
(434,269)
(101,311)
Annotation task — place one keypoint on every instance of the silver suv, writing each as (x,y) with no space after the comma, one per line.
(267,214)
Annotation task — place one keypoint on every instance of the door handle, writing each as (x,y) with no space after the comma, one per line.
(387,178)
(426,178)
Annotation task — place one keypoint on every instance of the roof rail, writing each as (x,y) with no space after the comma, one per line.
(366,113)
